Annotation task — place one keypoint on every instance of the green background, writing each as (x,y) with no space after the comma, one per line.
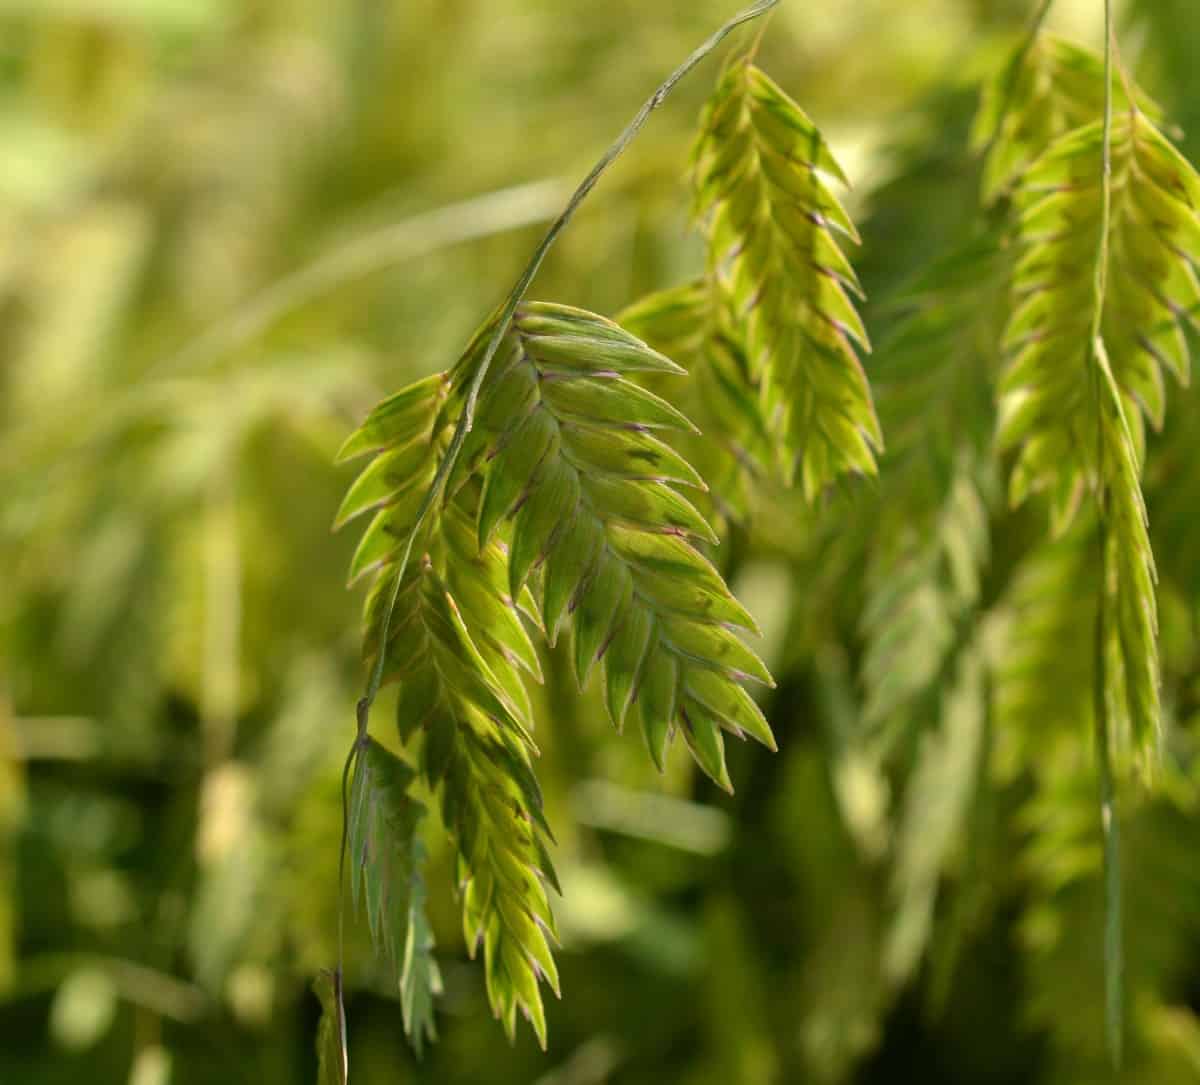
(226,230)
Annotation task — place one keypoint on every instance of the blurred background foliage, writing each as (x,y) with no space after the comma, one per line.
(227,228)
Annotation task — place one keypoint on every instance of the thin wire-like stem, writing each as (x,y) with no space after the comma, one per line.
(1114,964)
(345,793)
(1100,283)
(1114,958)
(500,328)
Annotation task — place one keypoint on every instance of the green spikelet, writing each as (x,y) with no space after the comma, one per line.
(458,647)
(1075,409)
(532,481)
(762,173)
(1130,598)
(594,496)
(461,698)
(1154,244)
(1047,88)
(564,486)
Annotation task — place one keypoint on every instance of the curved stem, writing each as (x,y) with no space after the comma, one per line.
(1114,964)
(1100,284)
(467,417)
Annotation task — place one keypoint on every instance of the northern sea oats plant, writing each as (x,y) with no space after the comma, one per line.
(893,366)
(567,477)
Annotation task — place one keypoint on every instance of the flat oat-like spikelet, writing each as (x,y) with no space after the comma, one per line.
(1073,408)
(775,230)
